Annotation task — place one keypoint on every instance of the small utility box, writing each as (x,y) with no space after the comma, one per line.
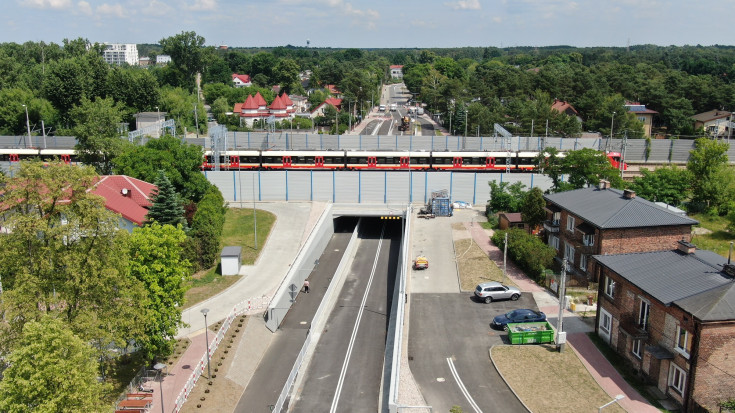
(230,259)
(527,333)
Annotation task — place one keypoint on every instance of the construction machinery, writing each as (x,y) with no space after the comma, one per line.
(405,123)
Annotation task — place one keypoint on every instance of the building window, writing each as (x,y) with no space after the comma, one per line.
(610,287)
(677,378)
(588,240)
(570,224)
(583,262)
(569,252)
(643,311)
(683,341)
(637,344)
(556,218)
(605,322)
(554,242)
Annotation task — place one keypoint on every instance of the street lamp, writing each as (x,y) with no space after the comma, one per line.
(28,125)
(206,337)
(159,368)
(158,120)
(612,123)
(615,400)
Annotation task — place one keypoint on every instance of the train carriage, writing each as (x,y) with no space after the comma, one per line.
(303,160)
(469,161)
(390,160)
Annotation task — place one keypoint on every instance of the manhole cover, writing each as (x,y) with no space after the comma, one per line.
(440,379)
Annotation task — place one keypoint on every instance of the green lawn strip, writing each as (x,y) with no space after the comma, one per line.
(238,231)
(719,240)
(624,369)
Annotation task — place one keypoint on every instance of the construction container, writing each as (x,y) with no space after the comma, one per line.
(530,333)
(441,207)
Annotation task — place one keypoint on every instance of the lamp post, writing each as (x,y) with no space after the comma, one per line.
(159,368)
(158,120)
(28,125)
(615,400)
(206,337)
(612,123)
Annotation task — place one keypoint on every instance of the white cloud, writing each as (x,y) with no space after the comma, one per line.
(115,10)
(203,5)
(155,8)
(84,8)
(48,4)
(465,5)
(345,8)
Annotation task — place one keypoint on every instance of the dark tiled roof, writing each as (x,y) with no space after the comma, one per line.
(513,216)
(608,208)
(694,282)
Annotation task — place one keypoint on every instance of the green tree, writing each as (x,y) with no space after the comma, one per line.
(585,167)
(286,74)
(706,162)
(179,160)
(97,132)
(533,209)
(65,255)
(51,370)
(187,57)
(206,227)
(167,207)
(667,184)
(550,163)
(156,260)
(506,197)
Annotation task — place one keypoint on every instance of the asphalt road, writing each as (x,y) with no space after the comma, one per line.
(454,327)
(345,371)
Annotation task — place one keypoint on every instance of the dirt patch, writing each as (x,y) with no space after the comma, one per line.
(474,265)
(570,388)
(219,393)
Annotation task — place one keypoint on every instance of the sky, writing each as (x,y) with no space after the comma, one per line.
(375,23)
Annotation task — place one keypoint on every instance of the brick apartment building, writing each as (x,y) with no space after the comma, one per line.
(671,315)
(602,220)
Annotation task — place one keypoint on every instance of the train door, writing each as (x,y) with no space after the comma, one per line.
(489,162)
(13,157)
(287,161)
(319,161)
(372,162)
(235,162)
(66,158)
(457,162)
(405,162)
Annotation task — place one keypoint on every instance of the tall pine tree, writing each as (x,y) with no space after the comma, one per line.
(167,207)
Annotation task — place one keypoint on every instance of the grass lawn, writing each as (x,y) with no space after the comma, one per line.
(570,388)
(474,266)
(718,240)
(238,231)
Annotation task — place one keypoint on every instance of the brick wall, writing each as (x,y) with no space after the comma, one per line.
(621,241)
(714,379)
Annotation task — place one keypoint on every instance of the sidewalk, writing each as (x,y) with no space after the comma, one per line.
(294,222)
(598,366)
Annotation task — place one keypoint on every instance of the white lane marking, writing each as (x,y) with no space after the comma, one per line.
(377,128)
(462,387)
(342,373)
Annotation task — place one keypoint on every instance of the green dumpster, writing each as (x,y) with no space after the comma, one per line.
(528,333)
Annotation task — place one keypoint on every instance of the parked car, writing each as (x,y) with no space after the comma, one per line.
(493,290)
(523,315)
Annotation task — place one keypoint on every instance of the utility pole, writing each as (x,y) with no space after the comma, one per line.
(196,119)
(532,127)
(561,336)
(505,255)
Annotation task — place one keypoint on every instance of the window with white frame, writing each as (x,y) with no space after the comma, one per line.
(556,218)
(636,349)
(588,240)
(605,321)
(643,311)
(569,252)
(683,341)
(677,378)
(583,262)
(610,287)
(570,223)
(554,242)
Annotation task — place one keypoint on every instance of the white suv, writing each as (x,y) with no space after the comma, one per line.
(493,290)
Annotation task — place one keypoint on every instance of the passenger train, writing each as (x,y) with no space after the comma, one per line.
(342,160)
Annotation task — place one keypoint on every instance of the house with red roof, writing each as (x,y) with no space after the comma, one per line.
(566,108)
(241,80)
(396,71)
(288,102)
(319,110)
(256,108)
(277,108)
(126,196)
(643,114)
(333,90)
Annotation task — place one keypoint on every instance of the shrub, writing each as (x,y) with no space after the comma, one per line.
(527,251)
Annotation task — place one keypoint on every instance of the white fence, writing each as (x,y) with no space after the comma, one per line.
(244,307)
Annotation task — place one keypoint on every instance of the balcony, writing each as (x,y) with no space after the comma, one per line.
(551,226)
(630,326)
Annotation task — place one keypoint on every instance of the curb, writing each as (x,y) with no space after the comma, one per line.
(490,351)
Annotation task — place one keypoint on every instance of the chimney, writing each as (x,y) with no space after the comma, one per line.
(628,194)
(125,192)
(729,269)
(603,184)
(686,247)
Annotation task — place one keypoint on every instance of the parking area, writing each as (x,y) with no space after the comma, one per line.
(449,340)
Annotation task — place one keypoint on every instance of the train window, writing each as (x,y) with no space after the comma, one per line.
(442,160)
(387,160)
